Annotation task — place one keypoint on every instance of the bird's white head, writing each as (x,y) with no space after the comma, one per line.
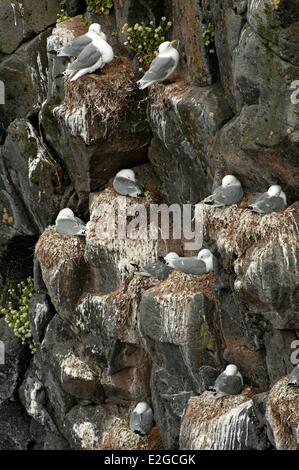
(141,407)
(274,191)
(231,370)
(204,254)
(166,46)
(128,174)
(230,180)
(170,257)
(95,28)
(66,213)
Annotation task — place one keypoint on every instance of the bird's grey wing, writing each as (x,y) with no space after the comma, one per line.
(76,46)
(227,195)
(70,227)
(268,204)
(147,421)
(191,265)
(86,59)
(228,384)
(125,187)
(159,69)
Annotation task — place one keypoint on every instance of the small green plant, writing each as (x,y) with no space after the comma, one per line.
(62,16)
(101,7)
(17,312)
(145,39)
(209,38)
(276,4)
(85,20)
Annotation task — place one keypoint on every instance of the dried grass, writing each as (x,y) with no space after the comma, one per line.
(53,248)
(106,95)
(237,229)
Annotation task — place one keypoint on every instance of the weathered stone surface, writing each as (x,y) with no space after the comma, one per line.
(264,250)
(278,345)
(20,21)
(282,413)
(177,322)
(14,427)
(75,7)
(223,424)
(33,398)
(31,185)
(40,314)
(16,360)
(185,120)
(24,74)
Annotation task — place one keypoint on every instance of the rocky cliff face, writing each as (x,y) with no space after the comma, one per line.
(107,338)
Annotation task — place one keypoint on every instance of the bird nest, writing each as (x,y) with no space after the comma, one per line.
(52,248)
(106,95)
(237,229)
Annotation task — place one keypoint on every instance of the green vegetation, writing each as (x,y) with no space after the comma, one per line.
(209,38)
(101,7)
(145,39)
(62,16)
(276,4)
(17,312)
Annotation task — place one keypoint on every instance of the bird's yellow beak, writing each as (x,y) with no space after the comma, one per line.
(100,34)
(174,42)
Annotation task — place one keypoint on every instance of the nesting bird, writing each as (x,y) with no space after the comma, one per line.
(294,377)
(94,56)
(74,48)
(126,184)
(68,224)
(162,66)
(229,193)
(203,263)
(229,382)
(274,200)
(142,419)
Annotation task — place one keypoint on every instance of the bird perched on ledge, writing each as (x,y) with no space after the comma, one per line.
(229,193)
(68,224)
(203,263)
(229,382)
(126,184)
(142,419)
(93,57)
(274,200)
(74,48)
(162,66)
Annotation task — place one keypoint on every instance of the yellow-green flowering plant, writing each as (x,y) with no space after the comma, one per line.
(144,39)
(102,7)
(17,312)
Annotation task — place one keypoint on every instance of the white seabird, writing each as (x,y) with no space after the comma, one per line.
(162,66)
(74,48)
(203,263)
(294,377)
(274,200)
(94,56)
(229,382)
(68,224)
(126,184)
(229,193)
(142,419)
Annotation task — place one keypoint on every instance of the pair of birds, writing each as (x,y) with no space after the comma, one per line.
(231,192)
(229,382)
(93,52)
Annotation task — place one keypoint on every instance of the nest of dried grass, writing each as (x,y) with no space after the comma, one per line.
(282,412)
(53,248)
(166,96)
(237,229)
(106,95)
(179,283)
